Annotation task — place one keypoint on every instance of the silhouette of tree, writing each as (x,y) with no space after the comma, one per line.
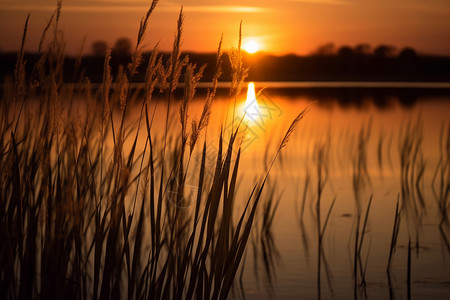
(346,52)
(384,51)
(408,61)
(122,47)
(346,60)
(363,49)
(407,53)
(99,48)
(382,63)
(325,50)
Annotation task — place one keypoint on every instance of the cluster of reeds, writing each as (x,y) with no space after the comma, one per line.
(322,163)
(315,182)
(264,248)
(411,203)
(412,166)
(441,184)
(87,213)
(360,181)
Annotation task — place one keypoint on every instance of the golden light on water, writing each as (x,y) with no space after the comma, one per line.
(251,104)
(251,95)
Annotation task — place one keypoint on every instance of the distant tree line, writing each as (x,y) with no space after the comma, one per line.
(329,49)
(327,63)
(359,63)
(122,47)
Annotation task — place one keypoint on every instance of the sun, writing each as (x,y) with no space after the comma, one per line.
(251,46)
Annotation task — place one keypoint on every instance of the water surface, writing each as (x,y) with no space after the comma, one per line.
(375,127)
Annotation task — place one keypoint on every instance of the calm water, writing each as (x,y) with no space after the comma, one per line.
(357,129)
(385,142)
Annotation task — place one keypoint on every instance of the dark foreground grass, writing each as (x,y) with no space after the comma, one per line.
(86,213)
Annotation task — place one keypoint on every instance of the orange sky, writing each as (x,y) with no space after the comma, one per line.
(283,26)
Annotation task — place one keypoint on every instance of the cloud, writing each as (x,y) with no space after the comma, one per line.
(332,2)
(134,8)
(225,8)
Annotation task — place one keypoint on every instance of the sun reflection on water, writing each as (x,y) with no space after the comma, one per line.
(251,109)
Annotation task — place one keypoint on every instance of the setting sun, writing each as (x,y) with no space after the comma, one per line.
(251,46)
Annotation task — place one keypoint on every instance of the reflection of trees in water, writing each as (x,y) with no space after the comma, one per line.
(407,99)
(363,98)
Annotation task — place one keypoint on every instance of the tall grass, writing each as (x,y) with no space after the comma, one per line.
(322,163)
(441,184)
(411,177)
(87,212)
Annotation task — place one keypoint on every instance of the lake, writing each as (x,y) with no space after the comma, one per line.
(355,204)
(388,142)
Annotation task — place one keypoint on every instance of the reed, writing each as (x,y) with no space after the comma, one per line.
(361,179)
(408,271)
(395,232)
(265,253)
(322,149)
(87,212)
(441,184)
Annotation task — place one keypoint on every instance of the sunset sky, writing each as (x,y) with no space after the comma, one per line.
(280,27)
